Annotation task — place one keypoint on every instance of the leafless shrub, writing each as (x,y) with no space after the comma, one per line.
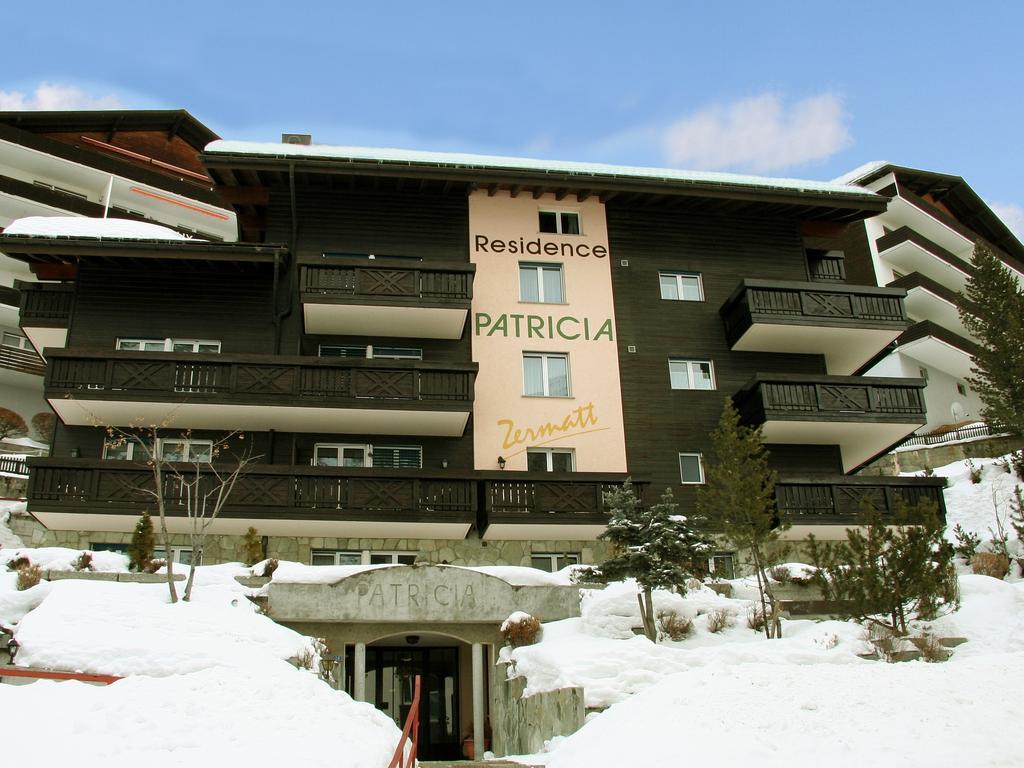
(755,618)
(152,566)
(29,576)
(84,562)
(674,626)
(974,471)
(305,659)
(931,647)
(524,630)
(990,564)
(270,567)
(719,619)
(18,563)
(883,638)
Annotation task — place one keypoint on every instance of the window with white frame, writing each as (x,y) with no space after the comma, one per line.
(545,374)
(123,448)
(341,455)
(392,558)
(371,352)
(681,286)
(186,449)
(541,283)
(168,345)
(554,561)
(691,374)
(16,340)
(559,222)
(551,459)
(180,555)
(691,469)
(722,565)
(335,557)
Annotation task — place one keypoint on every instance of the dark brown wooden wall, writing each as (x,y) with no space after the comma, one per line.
(859,268)
(661,422)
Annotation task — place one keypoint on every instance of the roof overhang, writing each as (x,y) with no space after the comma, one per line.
(64,250)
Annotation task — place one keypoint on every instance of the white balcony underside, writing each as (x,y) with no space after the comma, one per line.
(858,442)
(42,338)
(286,525)
(901,213)
(845,349)
(370,421)
(908,257)
(390,321)
(936,353)
(538,532)
(921,304)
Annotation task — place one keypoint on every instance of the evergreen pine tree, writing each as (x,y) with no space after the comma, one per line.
(252,547)
(992,310)
(140,550)
(889,574)
(654,545)
(737,498)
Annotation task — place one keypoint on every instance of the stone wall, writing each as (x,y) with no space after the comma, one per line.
(520,726)
(940,455)
(226,549)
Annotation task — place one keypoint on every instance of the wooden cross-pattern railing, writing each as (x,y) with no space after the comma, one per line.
(832,397)
(373,280)
(809,502)
(273,380)
(555,501)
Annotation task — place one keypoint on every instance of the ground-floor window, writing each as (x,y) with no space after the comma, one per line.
(365,557)
(99,546)
(553,561)
(551,459)
(722,565)
(377,456)
(180,555)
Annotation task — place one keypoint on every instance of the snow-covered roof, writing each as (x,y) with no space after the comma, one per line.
(81,226)
(473,161)
(861,171)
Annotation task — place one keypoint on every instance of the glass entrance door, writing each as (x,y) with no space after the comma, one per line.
(390,675)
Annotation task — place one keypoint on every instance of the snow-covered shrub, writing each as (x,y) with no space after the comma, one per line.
(674,626)
(17,563)
(974,471)
(269,567)
(780,573)
(931,647)
(719,619)
(152,566)
(84,562)
(29,576)
(520,629)
(990,564)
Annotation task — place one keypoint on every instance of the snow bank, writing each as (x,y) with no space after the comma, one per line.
(269,715)
(63,559)
(81,226)
(836,715)
(8,538)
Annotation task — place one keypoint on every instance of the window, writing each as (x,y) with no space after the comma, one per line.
(722,566)
(16,340)
(826,266)
(397,457)
(335,557)
(181,449)
(541,283)
(123,449)
(559,222)
(168,345)
(681,286)
(372,352)
(181,555)
(961,389)
(551,459)
(691,469)
(545,374)
(99,546)
(554,561)
(392,558)
(341,455)
(691,374)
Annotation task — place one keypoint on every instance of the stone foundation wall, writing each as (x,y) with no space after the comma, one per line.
(940,455)
(226,549)
(520,726)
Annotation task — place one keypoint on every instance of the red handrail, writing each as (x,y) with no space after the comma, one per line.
(46,674)
(410,731)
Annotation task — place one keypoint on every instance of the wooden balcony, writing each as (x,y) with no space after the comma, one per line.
(847,324)
(808,501)
(88,494)
(45,311)
(863,416)
(527,507)
(359,296)
(21,361)
(222,391)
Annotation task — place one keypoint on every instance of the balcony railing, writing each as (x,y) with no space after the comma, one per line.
(350,279)
(826,501)
(556,502)
(794,303)
(266,491)
(831,398)
(46,305)
(258,379)
(21,360)
(13,465)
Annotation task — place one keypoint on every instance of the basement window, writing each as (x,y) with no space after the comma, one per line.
(554,561)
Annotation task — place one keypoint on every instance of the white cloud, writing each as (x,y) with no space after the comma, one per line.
(54,96)
(1012,215)
(759,134)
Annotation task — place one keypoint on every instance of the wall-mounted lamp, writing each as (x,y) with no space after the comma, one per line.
(444,463)
(74,453)
(501,462)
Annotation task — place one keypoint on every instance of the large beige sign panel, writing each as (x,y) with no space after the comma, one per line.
(503,233)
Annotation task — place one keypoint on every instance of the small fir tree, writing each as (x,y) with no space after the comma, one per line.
(737,498)
(889,574)
(992,310)
(140,550)
(655,545)
(252,547)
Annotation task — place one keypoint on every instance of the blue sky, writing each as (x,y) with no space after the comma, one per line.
(806,89)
